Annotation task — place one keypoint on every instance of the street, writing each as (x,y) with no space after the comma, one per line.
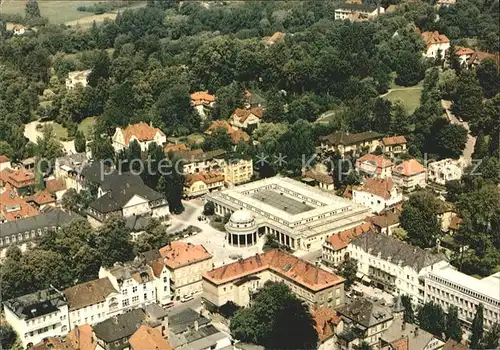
(471,140)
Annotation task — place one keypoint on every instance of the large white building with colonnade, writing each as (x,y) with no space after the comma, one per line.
(300,216)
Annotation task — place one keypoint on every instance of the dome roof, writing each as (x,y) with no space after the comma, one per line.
(241,217)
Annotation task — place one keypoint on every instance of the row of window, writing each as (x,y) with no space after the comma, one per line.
(466,290)
(28,235)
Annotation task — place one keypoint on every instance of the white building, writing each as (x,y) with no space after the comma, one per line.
(374,166)
(378,194)
(77,78)
(245,118)
(436,44)
(361,11)
(162,278)
(409,174)
(203,102)
(37,316)
(135,283)
(444,170)
(242,229)
(4,163)
(447,286)
(393,265)
(141,132)
(92,302)
(299,216)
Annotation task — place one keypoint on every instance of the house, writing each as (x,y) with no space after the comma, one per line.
(79,338)
(56,187)
(335,247)
(344,142)
(19,29)
(147,338)
(386,222)
(446,211)
(92,302)
(161,277)
(238,281)
(37,316)
(41,200)
(409,174)
(366,319)
(141,132)
(77,78)
(363,11)
(5,163)
(13,207)
(201,183)
(445,3)
(190,330)
(254,100)
(116,332)
(413,338)
(197,161)
(69,168)
(24,231)
(247,118)
(445,170)
(453,345)
(393,265)
(28,163)
(179,147)
(378,194)
(327,324)
(125,195)
(318,179)
(479,56)
(275,38)
(21,179)
(436,44)
(464,54)
(186,263)
(393,146)
(374,166)
(203,102)
(236,135)
(134,282)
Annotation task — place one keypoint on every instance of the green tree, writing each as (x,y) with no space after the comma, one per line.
(80,142)
(451,140)
(381,115)
(477,329)
(48,147)
(296,146)
(409,69)
(219,139)
(468,99)
(113,242)
(32,11)
(348,269)
(154,237)
(409,313)
(365,346)
(100,69)
(101,147)
(453,59)
(400,122)
(6,149)
(172,184)
(229,98)
(453,329)
(489,77)
(275,109)
(431,318)
(7,336)
(277,319)
(492,337)
(209,208)
(419,219)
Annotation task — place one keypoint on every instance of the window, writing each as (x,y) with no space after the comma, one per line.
(135,299)
(125,302)
(124,292)
(145,296)
(134,289)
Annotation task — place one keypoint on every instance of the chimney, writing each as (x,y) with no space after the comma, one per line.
(196,325)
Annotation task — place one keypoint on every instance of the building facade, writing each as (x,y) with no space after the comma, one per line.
(198,184)
(409,174)
(444,170)
(436,44)
(142,133)
(335,247)
(377,194)
(344,142)
(394,146)
(374,166)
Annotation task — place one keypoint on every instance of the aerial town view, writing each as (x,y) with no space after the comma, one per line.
(249,175)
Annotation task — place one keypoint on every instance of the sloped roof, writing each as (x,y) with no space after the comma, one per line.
(345,138)
(202,98)
(378,187)
(41,198)
(148,338)
(385,220)
(3,158)
(287,265)
(460,50)
(120,326)
(141,131)
(89,293)
(325,318)
(13,207)
(397,250)
(409,168)
(432,38)
(206,177)
(342,239)
(177,254)
(175,148)
(55,185)
(378,161)
(394,140)
(243,114)
(278,36)
(322,178)
(83,339)
(366,312)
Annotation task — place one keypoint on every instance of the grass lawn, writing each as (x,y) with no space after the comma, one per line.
(86,126)
(60,131)
(409,96)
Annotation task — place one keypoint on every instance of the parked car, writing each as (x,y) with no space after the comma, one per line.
(168,305)
(186,298)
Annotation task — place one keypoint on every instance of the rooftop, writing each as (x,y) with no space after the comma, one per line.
(82,337)
(55,185)
(358,7)
(181,320)
(89,293)
(243,114)
(417,339)
(13,207)
(379,187)
(147,338)
(394,140)
(345,138)
(409,168)
(396,250)
(366,312)
(177,254)
(202,98)
(386,219)
(36,304)
(342,239)
(432,38)
(378,161)
(120,326)
(141,131)
(284,264)
(141,273)
(205,177)
(326,319)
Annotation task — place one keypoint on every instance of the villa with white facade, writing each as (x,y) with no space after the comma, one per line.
(141,132)
(378,194)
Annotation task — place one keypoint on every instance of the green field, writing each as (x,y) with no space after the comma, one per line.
(409,96)
(86,125)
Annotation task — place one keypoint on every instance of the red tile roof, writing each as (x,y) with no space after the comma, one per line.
(242,114)
(432,38)
(177,254)
(460,50)
(455,223)
(394,140)
(236,135)
(175,148)
(400,344)
(13,207)
(21,178)
(157,266)
(278,36)
(148,338)
(380,162)
(409,168)
(83,339)
(206,177)
(202,98)
(325,318)
(385,220)
(55,185)
(141,131)
(379,187)
(281,263)
(340,240)
(4,159)
(41,198)
(239,135)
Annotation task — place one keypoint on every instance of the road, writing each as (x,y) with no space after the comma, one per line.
(471,140)
(32,134)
